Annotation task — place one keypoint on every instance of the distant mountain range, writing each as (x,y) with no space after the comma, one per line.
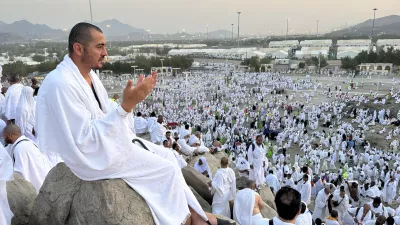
(23,30)
(388,25)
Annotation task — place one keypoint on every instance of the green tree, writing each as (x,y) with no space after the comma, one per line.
(302,65)
(348,63)
(38,58)
(265,60)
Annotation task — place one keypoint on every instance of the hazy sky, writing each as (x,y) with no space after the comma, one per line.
(168,16)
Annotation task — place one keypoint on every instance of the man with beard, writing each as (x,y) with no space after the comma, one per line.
(74,120)
(257,158)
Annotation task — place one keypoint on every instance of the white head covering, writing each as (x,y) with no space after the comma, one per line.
(201,168)
(25,111)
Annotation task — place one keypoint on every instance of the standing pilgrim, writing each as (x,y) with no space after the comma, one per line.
(224,188)
(321,204)
(96,142)
(25,113)
(12,97)
(257,158)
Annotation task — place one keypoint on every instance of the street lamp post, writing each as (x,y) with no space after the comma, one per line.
(287,27)
(373,24)
(162,69)
(134,70)
(238,27)
(109,35)
(207,32)
(232,32)
(91,15)
(317,27)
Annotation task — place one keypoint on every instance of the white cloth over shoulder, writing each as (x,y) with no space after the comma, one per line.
(244,206)
(140,125)
(32,164)
(25,113)
(224,186)
(204,167)
(6,174)
(96,143)
(11,101)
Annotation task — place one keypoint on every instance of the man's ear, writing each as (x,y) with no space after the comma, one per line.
(78,48)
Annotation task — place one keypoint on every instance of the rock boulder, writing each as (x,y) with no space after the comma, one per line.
(213,162)
(21,195)
(198,181)
(268,197)
(65,199)
(204,204)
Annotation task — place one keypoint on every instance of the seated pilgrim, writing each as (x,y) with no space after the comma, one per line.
(95,141)
(29,162)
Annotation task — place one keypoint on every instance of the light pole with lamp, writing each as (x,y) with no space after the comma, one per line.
(232,32)
(91,15)
(238,27)
(207,32)
(134,70)
(162,69)
(109,35)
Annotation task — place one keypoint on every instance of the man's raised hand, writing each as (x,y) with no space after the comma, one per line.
(133,95)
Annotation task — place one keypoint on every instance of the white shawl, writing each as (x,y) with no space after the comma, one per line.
(244,205)
(25,112)
(201,168)
(11,100)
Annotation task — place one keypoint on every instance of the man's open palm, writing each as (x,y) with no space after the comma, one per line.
(133,95)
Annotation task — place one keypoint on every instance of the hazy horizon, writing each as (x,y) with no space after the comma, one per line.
(178,15)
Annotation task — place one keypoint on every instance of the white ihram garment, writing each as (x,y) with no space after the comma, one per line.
(6,174)
(204,167)
(140,125)
(256,158)
(30,162)
(243,208)
(224,186)
(97,144)
(25,113)
(321,207)
(11,101)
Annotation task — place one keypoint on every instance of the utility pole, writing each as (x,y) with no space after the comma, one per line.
(91,15)
(317,27)
(232,32)
(238,28)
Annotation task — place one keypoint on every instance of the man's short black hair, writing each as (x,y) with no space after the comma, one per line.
(377,201)
(390,220)
(288,203)
(13,78)
(80,33)
(138,114)
(165,141)
(334,213)
(174,145)
(303,207)
(153,114)
(187,126)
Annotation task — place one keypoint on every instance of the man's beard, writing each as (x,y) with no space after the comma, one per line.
(87,59)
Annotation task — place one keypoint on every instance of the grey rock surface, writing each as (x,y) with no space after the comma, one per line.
(21,195)
(66,199)
(198,182)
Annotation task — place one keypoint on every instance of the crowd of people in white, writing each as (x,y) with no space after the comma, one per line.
(313,154)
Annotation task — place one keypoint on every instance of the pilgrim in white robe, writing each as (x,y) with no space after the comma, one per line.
(389,191)
(244,206)
(204,167)
(6,174)
(343,204)
(25,113)
(140,124)
(304,218)
(305,191)
(157,133)
(224,189)
(256,157)
(11,100)
(185,148)
(321,206)
(273,182)
(180,160)
(30,162)
(96,144)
